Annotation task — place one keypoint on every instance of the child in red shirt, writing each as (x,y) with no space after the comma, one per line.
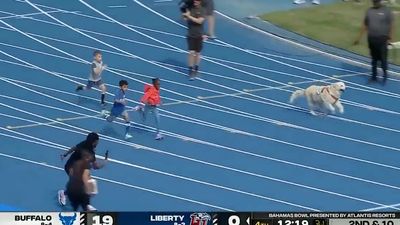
(150,102)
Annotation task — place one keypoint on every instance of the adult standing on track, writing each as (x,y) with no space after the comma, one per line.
(195,18)
(209,8)
(88,145)
(378,22)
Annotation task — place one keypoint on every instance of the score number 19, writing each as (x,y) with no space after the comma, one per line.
(102,220)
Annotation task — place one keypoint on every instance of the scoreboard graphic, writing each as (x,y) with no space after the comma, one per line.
(198,218)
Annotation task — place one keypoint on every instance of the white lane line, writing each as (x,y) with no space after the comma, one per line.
(116,182)
(49,123)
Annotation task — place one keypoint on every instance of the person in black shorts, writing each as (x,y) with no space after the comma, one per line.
(88,145)
(379,24)
(195,19)
(78,183)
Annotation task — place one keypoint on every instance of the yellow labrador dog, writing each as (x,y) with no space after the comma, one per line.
(322,97)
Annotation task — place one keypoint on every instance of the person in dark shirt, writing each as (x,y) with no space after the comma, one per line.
(78,183)
(195,18)
(88,145)
(378,22)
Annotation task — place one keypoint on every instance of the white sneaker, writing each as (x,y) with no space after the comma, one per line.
(128,136)
(159,136)
(104,113)
(138,108)
(62,199)
(299,1)
(315,2)
(91,208)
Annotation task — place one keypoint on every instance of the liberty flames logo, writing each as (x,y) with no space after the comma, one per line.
(199,218)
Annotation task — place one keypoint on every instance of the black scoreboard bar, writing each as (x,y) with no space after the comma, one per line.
(199,218)
(242,218)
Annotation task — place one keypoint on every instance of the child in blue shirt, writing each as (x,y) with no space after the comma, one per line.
(119,106)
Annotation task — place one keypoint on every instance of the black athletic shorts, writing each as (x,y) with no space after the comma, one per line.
(78,198)
(195,43)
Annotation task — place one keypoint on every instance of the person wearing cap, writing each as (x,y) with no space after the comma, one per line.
(378,23)
(89,145)
(195,19)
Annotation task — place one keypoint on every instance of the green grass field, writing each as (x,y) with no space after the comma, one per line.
(337,24)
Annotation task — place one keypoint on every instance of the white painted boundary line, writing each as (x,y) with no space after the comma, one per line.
(208,124)
(207,183)
(197,121)
(150,45)
(117,6)
(110,180)
(370,89)
(252,116)
(378,208)
(277,122)
(27,15)
(48,123)
(107,138)
(213,61)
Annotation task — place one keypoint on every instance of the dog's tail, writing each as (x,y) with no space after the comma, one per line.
(296,94)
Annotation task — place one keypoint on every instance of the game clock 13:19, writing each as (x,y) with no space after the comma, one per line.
(292,222)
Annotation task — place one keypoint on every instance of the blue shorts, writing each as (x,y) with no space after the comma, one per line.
(91,84)
(118,111)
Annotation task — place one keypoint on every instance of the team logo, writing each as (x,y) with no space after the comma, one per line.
(67,220)
(199,218)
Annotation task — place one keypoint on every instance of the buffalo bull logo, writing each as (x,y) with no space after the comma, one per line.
(67,220)
(199,218)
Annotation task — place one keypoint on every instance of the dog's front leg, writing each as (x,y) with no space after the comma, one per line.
(339,107)
(312,107)
(330,108)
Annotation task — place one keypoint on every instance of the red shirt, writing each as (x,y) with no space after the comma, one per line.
(151,95)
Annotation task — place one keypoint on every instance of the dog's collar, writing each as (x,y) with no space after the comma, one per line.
(334,97)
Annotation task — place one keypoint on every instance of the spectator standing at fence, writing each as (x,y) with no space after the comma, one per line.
(378,23)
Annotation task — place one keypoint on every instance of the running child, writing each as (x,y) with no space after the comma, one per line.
(119,106)
(150,102)
(95,79)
